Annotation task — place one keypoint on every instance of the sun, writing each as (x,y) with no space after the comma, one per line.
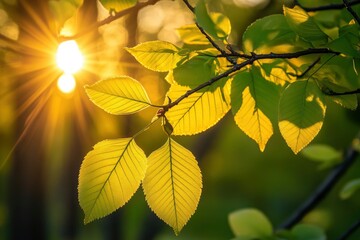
(70,60)
(69,57)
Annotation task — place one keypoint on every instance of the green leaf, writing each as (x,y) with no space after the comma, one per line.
(62,10)
(301,114)
(305,26)
(191,35)
(156,55)
(322,153)
(109,176)
(199,111)
(254,103)
(118,5)
(269,34)
(121,95)
(350,188)
(308,232)
(250,223)
(215,24)
(173,184)
(197,70)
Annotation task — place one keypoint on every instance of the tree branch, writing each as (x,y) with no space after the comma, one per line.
(107,20)
(350,231)
(251,59)
(351,11)
(323,189)
(332,6)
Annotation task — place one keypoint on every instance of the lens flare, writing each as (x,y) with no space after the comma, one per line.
(69,57)
(66,83)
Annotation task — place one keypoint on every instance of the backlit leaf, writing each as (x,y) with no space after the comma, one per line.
(304,25)
(324,154)
(199,111)
(156,55)
(215,24)
(254,103)
(118,5)
(121,95)
(275,34)
(191,35)
(173,184)
(63,10)
(350,188)
(301,114)
(308,232)
(109,176)
(250,223)
(197,70)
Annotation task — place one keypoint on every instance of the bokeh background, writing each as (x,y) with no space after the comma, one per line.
(44,133)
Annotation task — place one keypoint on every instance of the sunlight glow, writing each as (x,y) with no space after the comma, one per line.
(66,83)
(69,57)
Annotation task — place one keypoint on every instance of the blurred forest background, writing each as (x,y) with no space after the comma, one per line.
(44,133)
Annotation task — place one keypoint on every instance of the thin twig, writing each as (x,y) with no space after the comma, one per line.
(351,11)
(329,92)
(208,37)
(332,6)
(323,190)
(107,20)
(189,5)
(350,231)
(308,69)
(251,59)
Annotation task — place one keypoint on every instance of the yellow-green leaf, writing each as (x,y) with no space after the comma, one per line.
(254,105)
(301,114)
(109,176)
(304,25)
(121,95)
(63,10)
(190,34)
(199,111)
(156,55)
(173,184)
(118,5)
(216,24)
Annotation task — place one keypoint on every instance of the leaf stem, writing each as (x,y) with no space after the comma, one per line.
(145,128)
(323,189)
(107,20)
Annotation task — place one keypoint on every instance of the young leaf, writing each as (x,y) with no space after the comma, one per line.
(250,223)
(121,95)
(118,5)
(191,35)
(215,24)
(301,114)
(254,105)
(308,232)
(109,175)
(199,111)
(276,35)
(350,188)
(324,154)
(173,184)
(63,10)
(197,70)
(304,25)
(156,55)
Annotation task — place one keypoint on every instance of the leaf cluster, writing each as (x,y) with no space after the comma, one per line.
(289,67)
